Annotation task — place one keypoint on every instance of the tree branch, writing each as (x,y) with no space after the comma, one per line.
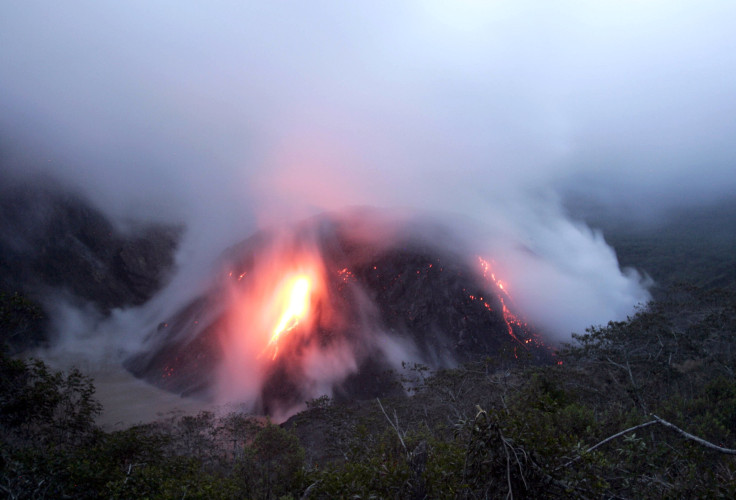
(508,468)
(395,426)
(657,420)
(609,438)
(701,441)
(309,489)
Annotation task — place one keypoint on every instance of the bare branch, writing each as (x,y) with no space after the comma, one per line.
(609,438)
(657,420)
(701,441)
(627,369)
(309,489)
(11,494)
(619,434)
(130,469)
(395,426)
(516,456)
(508,468)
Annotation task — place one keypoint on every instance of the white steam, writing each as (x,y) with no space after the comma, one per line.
(232,116)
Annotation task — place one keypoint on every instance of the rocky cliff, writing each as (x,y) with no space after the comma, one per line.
(56,243)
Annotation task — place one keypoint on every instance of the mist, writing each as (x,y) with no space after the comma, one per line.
(231,117)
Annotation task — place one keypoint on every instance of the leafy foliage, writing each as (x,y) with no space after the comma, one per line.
(583,428)
(46,418)
(589,426)
(22,321)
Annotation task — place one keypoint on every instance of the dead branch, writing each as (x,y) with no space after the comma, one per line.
(657,420)
(130,470)
(609,438)
(619,434)
(627,368)
(309,489)
(508,468)
(701,441)
(11,493)
(395,426)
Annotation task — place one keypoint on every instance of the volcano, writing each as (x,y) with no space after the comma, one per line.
(332,306)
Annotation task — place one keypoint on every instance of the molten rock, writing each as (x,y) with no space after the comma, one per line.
(369,295)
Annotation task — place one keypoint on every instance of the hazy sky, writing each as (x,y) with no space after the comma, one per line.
(385,101)
(258,111)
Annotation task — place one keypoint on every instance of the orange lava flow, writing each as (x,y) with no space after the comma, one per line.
(508,317)
(296,307)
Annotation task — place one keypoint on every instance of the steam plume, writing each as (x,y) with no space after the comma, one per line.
(235,116)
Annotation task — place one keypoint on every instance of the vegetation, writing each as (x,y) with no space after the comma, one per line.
(643,408)
(22,321)
(618,418)
(693,244)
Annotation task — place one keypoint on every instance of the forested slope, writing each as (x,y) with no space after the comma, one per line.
(642,408)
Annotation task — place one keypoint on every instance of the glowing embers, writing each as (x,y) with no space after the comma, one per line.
(509,317)
(516,327)
(296,306)
(346,275)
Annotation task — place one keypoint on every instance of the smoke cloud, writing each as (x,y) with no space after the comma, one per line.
(234,116)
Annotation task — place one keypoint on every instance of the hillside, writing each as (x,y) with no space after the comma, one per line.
(642,408)
(695,245)
(55,245)
(376,302)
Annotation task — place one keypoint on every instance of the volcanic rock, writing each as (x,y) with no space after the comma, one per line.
(406,292)
(52,242)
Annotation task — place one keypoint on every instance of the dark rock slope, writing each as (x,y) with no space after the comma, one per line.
(419,295)
(57,243)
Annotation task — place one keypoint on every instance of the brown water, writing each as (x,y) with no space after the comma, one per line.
(125,400)
(129,401)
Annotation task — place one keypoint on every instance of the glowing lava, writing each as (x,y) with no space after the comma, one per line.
(295,309)
(508,316)
(529,336)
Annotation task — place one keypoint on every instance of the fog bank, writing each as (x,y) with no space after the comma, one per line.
(234,116)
